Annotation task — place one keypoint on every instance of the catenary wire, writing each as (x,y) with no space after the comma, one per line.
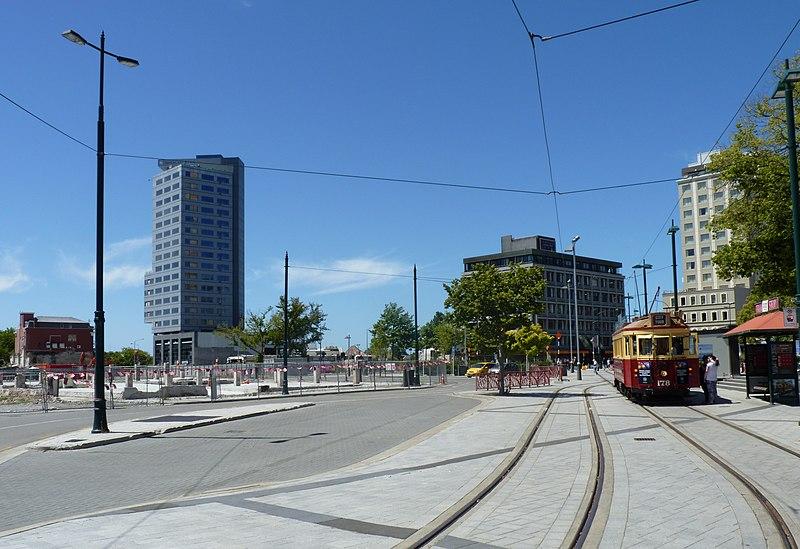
(46,123)
(544,122)
(615,21)
(369,273)
(722,134)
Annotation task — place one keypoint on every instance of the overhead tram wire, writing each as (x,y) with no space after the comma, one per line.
(368,273)
(728,125)
(358,176)
(544,123)
(46,123)
(614,22)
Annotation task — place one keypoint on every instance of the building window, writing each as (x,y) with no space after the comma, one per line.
(724,315)
(692,300)
(705,250)
(706,263)
(689,239)
(688,226)
(702,197)
(691,278)
(705,237)
(713,298)
(702,211)
(694,317)
(702,300)
(687,213)
(718,195)
(690,264)
(723,297)
(690,252)
(687,201)
(683,301)
(703,317)
(713,315)
(206,177)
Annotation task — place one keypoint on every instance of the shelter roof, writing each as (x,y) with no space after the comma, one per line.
(770,323)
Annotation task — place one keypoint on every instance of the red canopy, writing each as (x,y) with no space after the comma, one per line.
(762,325)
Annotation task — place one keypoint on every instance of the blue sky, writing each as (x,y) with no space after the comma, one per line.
(438,90)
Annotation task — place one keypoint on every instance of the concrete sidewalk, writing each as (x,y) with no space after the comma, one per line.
(375,504)
(121,431)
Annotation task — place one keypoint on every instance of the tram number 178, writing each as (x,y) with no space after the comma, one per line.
(663,383)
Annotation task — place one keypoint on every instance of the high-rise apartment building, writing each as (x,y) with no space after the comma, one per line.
(707,301)
(600,290)
(197,280)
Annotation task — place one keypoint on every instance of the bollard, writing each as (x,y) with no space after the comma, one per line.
(277,375)
(237,378)
(19,381)
(357,380)
(316,375)
(199,375)
(212,381)
(129,380)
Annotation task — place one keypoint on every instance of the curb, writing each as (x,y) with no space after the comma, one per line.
(154,432)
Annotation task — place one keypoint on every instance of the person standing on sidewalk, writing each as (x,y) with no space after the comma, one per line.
(702,370)
(711,379)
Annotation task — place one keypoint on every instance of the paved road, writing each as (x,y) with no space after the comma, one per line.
(338,431)
(25,427)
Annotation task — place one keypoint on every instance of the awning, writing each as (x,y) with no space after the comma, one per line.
(762,325)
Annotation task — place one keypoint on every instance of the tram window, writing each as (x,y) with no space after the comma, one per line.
(678,345)
(662,345)
(645,345)
(693,344)
(627,346)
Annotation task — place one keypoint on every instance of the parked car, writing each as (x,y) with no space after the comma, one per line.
(507,367)
(479,369)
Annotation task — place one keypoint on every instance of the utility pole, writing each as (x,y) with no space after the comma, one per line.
(671,232)
(285,374)
(628,298)
(416,332)
(577,330)
(644,267)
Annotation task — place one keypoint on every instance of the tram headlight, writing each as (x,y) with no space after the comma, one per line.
(663,373)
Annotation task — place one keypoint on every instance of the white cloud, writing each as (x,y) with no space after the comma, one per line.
(344,275)
(12,277)
(119,270)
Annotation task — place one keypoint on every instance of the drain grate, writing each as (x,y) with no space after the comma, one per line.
(643,439)
(75,440)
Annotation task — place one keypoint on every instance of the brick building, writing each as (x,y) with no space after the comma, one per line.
(40,339)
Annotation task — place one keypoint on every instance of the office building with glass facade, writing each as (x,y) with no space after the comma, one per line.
(197,279)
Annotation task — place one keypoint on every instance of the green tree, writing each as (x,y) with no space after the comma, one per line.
(441,333)
(756,165)
(492,302)
(7,338)
(306,325)
(393,332)
(128,356)
(530,340)
(253,334)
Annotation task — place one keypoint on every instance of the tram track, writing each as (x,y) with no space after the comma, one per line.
(782,532)
(591,507)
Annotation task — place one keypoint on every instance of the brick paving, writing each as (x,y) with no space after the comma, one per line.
(535,505)
(664,494)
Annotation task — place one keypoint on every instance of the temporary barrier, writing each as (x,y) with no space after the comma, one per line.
(534,377)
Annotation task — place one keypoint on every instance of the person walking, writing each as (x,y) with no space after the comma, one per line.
(595,365)
(711,379)
(702,370)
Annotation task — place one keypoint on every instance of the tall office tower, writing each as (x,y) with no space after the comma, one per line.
(197,280)
(707,302)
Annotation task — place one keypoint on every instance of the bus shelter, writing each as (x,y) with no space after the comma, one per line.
(768,342)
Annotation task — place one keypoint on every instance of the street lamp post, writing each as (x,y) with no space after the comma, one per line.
(569,315)
(644,267)
(575,280)
(671,232)
(785,90)
(100,423)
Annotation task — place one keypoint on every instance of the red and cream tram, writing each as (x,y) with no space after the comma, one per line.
(655,355)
